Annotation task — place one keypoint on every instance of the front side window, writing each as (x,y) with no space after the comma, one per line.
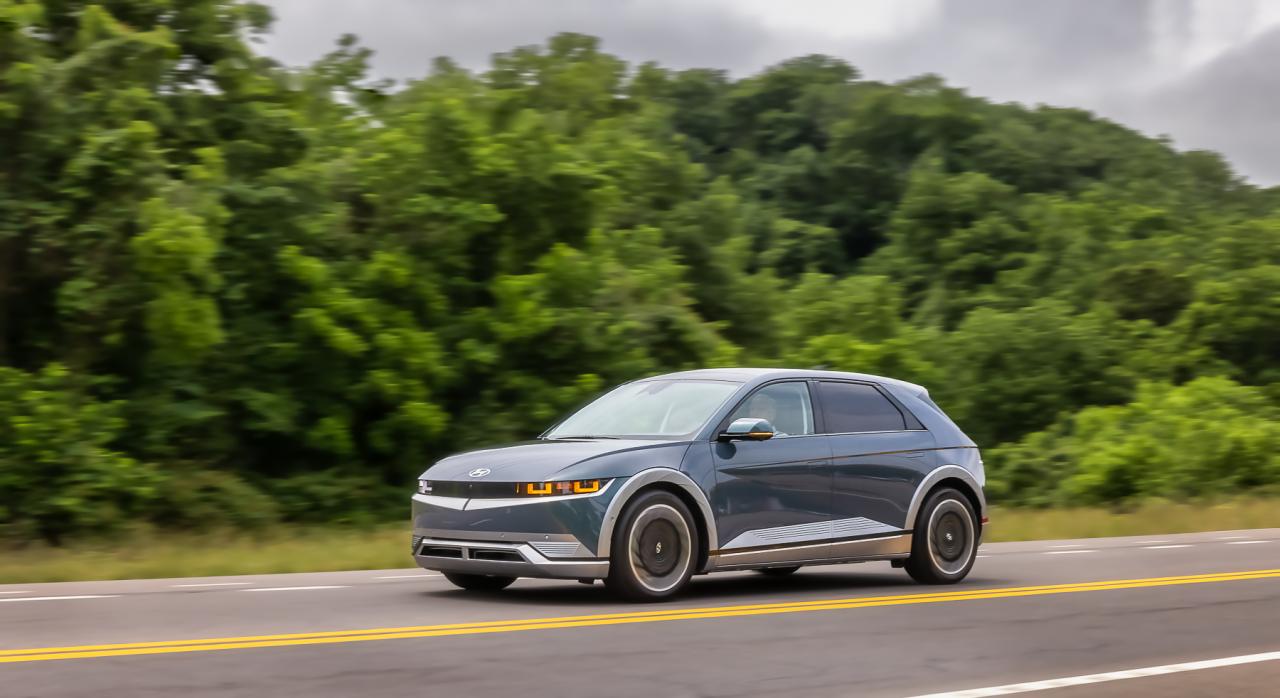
(785,405)
(655,408)
(854,407)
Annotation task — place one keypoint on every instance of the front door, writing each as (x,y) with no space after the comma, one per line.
(773,498)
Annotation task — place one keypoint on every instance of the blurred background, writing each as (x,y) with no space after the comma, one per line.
(255,276)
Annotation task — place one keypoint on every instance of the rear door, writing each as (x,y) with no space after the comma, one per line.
(879,453)
(772,498)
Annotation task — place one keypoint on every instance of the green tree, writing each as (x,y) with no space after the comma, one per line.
(58,473)
(1239,319)
(1210,436)
(238,292)
(1010,373)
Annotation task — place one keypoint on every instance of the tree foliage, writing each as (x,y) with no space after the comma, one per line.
(1208,436)
(291,289)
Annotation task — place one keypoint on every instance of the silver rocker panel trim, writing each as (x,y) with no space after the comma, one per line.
(818,531)
(888,547)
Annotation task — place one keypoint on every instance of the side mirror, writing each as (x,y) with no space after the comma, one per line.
(748,428)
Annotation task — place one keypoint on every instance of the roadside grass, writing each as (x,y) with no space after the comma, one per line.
(318,549)
(1145,519)
(300,549)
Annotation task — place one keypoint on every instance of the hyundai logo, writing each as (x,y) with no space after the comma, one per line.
(479,472)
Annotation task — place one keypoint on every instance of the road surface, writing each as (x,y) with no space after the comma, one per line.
(1171,615)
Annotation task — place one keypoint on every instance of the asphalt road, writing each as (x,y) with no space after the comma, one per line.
(1095,615)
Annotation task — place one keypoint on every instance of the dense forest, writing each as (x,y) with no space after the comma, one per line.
(234,292)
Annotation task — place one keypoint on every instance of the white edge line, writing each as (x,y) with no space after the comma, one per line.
(1231,537)
(1107,676)
(21,591)
(212,584)
(1152,542)
(409,576)
(1068,545)
(1069,552)
(1167,547)
(59,598)
(1246,542)
(324,586)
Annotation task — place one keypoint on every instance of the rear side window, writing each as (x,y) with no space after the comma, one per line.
(853,407)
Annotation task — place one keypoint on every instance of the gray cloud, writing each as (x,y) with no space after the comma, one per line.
(407,34)
(1126,60)
(1231,105)
(1028,51)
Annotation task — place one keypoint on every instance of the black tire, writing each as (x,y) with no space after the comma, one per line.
(479,582)
(655,548)
(945,543)
(778,571)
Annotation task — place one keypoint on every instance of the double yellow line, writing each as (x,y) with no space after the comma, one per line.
(509,626)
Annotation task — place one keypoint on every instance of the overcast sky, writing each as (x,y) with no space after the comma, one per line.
(1204,72)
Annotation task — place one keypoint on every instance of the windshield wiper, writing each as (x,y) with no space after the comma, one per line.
(584,436)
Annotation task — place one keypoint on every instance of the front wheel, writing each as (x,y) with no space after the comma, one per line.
(945,542)
(654,548)
(479,582)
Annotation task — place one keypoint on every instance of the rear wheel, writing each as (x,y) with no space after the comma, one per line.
(479,582)
(778,571)
(945,542)
(654,548)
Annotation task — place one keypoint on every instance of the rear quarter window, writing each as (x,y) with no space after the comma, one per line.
(854,407)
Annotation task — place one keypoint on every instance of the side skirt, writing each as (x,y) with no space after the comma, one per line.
(859,549)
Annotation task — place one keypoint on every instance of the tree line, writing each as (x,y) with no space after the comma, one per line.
(234,292)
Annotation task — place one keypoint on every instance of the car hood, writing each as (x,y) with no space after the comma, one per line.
(559,459)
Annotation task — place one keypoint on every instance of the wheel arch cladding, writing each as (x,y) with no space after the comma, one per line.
(668,480)
(935,477)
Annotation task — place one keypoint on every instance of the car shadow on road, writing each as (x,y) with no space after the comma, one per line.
(714,589)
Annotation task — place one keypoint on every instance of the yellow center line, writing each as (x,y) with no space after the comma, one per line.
(516,625)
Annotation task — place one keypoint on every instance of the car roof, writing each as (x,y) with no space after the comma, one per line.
(760,375)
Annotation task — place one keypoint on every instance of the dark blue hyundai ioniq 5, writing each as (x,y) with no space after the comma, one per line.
(712,470)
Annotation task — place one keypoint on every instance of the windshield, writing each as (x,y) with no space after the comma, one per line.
(670,408)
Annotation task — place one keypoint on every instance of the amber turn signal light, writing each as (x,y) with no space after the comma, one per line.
(543,489)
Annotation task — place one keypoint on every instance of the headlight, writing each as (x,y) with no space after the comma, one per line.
(546,489)
(498,490)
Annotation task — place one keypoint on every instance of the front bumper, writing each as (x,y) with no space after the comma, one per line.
(556,537)
(541,558)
